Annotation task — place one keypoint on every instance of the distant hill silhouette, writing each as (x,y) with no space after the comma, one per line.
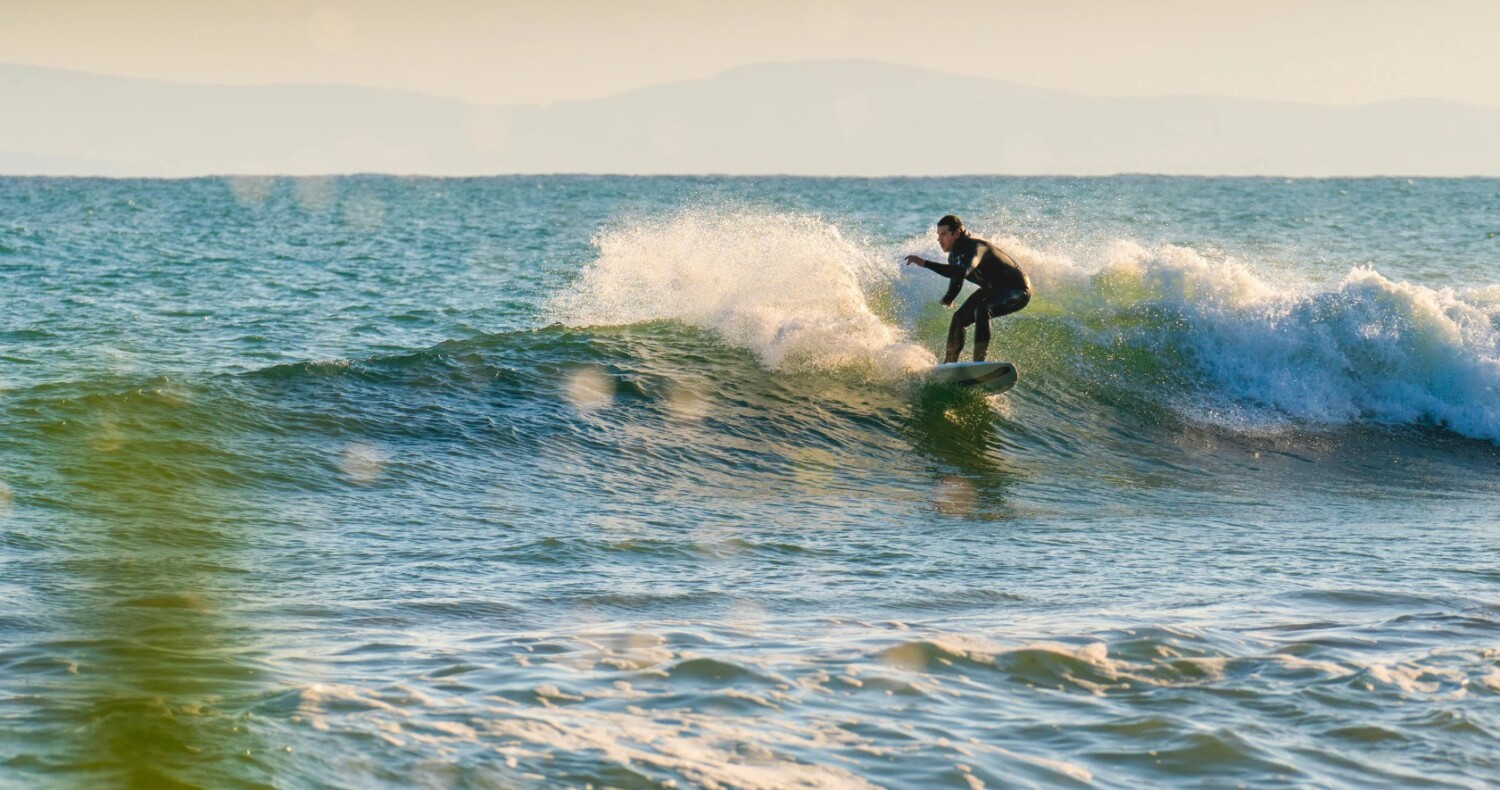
(811,118)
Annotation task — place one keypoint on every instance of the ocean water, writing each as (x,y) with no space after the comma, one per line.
(631,482)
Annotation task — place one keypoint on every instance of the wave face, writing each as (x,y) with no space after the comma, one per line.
(629,482)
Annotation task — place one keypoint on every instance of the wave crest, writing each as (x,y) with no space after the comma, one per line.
(1364,349)
(790,288)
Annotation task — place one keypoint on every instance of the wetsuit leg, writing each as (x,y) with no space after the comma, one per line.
(955,340)
(994,307)
(981,329)
(967,313)
(1008,302)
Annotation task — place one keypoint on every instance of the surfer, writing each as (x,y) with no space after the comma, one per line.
(1003,287)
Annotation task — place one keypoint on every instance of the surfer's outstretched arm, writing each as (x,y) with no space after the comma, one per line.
(945,269)
(953,271)
(950,270)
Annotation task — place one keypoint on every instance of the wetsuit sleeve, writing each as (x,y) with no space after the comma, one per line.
(947,269)
(954,272)
(955,284)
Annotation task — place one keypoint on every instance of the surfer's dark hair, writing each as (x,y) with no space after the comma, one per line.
(952,223)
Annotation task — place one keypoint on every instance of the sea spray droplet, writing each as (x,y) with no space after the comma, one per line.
(362,463)
(589,389)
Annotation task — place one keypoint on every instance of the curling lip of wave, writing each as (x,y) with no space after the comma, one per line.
(1366,349)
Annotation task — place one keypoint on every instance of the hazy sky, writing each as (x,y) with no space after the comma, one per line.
(1338,51)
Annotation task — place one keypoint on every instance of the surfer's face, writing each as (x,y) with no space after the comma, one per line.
(945,238)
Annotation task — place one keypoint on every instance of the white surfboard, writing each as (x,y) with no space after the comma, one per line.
(989,376)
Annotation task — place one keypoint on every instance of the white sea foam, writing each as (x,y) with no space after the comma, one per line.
(788,287)
(1366,348)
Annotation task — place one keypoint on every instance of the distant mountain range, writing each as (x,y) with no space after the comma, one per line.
(856,118)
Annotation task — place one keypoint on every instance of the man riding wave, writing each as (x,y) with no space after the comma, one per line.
(1003,287)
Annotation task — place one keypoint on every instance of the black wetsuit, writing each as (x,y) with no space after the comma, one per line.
(1003,289)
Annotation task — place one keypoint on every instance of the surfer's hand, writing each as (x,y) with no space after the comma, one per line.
(913,260)
(948,305)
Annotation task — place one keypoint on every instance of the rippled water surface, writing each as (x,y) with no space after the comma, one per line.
(632,482)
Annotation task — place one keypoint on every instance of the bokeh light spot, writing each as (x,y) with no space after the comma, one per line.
(688,402)
(250,190)
(589,389)
(363,463)
(314,194)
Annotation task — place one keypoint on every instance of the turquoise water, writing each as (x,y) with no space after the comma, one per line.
(630,482)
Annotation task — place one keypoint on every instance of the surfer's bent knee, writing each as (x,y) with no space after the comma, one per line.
(1009,302)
